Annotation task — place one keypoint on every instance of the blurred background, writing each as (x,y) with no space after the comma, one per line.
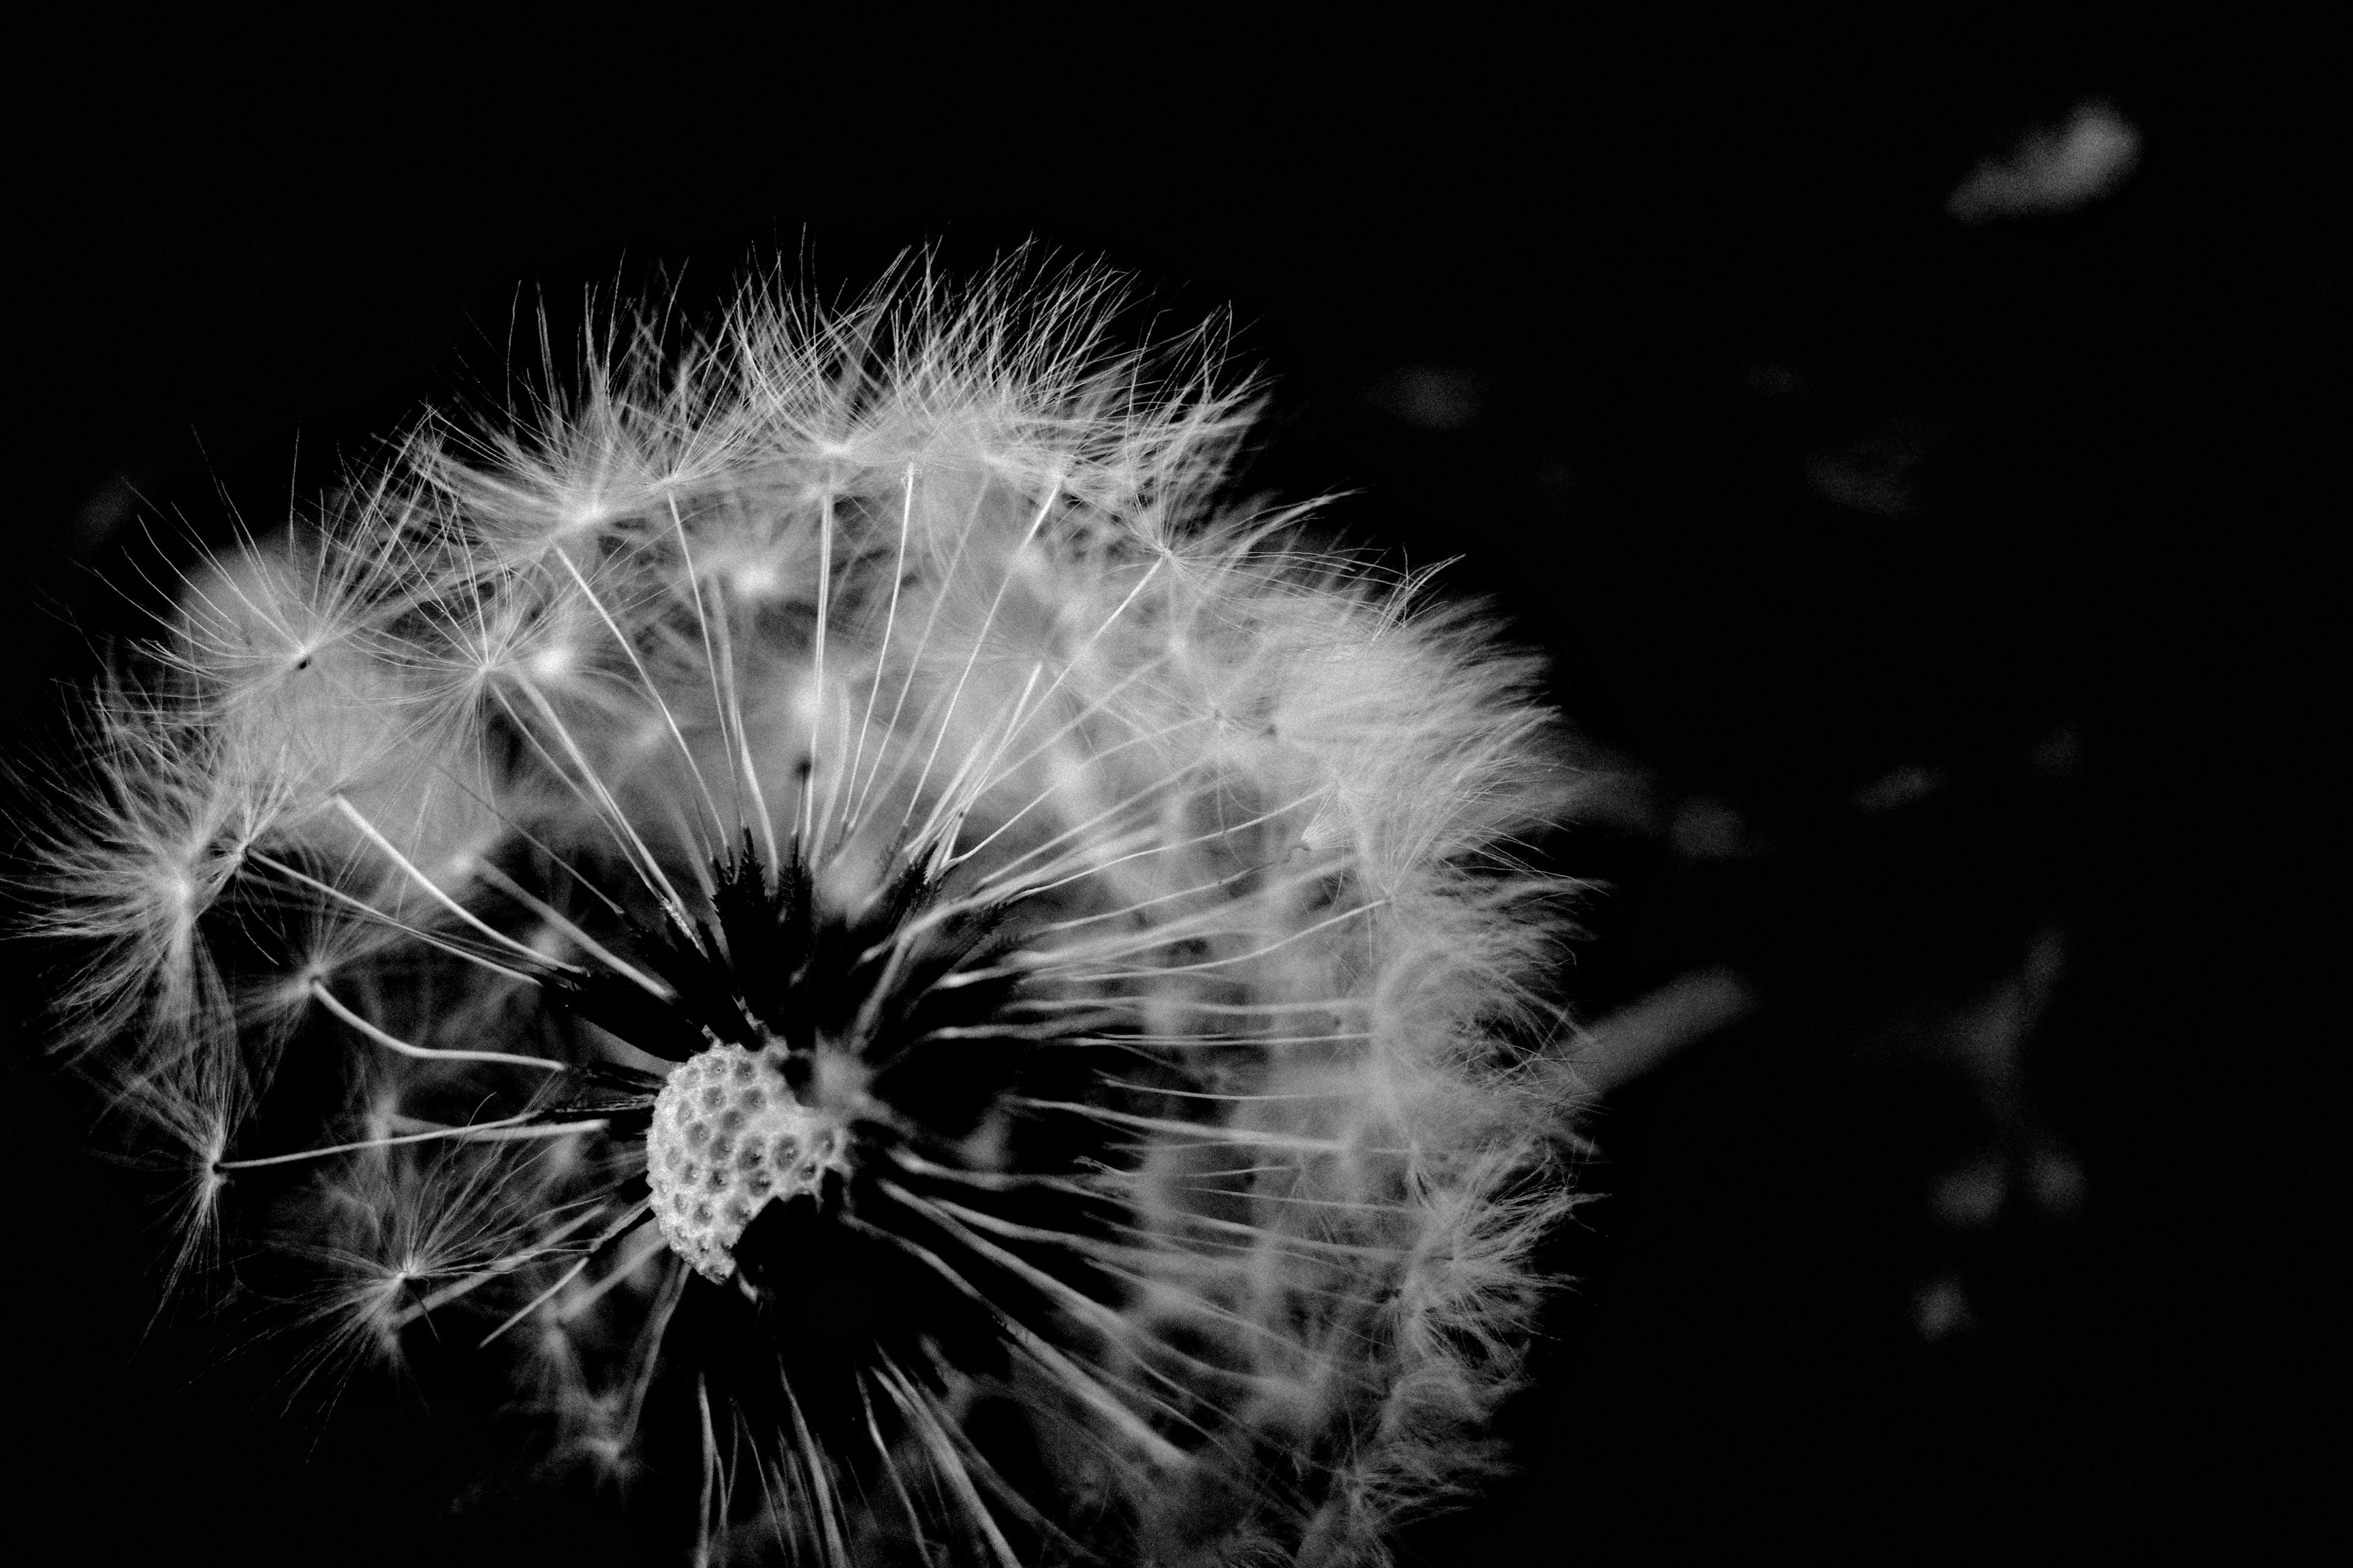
(1914,475)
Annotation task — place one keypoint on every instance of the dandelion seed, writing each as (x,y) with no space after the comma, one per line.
(865,920)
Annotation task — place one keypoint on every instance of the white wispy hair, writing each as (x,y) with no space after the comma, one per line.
(1118,891)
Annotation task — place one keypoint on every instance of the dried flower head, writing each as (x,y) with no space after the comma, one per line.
(843,906)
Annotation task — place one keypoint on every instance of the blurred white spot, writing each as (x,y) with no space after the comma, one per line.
(756,580)
(1433,396)
(104,512)
(1993,1032)
(1640,1035)
(578,514)
(552,663)
(384,1118)
(2046,960)
(1900,788)
(2052,172)
(2057,754)
(1778,382)
(1707,828)
(808,700)
(1878,466)
(1971,1197)
(1556,478)
(2056,1181)
(1940,1310)
(1614,792)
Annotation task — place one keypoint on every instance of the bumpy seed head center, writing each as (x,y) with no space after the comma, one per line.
(728,1138)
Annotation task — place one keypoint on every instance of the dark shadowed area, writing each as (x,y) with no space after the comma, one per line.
(1928,542)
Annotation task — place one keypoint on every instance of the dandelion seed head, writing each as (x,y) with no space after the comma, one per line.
(850,906)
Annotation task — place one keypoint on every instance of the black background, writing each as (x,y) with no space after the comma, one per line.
(1806,487)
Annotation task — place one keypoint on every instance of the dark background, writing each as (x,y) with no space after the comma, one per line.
(1944,602)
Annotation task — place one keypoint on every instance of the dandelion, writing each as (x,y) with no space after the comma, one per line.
(850,906)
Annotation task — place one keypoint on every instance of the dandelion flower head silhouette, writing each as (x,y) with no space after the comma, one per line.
(834,912)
